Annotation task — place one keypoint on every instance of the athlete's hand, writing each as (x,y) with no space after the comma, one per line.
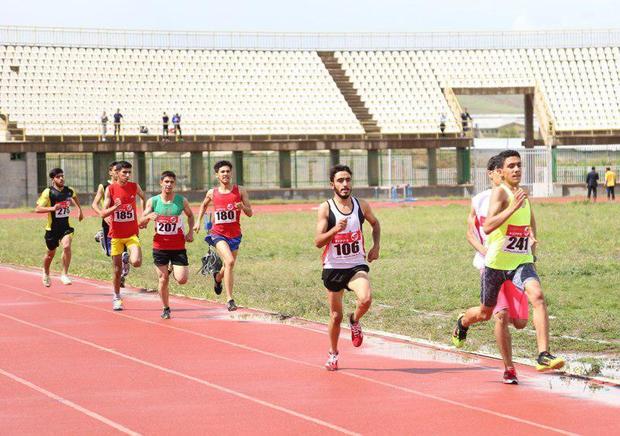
(57,206)
(373,254)
(189,236)
(117,203)
(108,220)
(81,215)
(341,225)
(196,227)
(239,205)
(520,197)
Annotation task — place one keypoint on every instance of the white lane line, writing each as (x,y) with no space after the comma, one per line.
(185,376)
(301,362)
(69,403)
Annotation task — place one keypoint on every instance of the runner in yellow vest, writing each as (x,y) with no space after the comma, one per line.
(511,227)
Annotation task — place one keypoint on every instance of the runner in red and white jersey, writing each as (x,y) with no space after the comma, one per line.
(169,254)
(120,203)
(512,304)
(339,231)
(229,200)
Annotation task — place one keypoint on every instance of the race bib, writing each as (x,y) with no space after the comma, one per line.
(63,210)
(227,216)
(346,245)
(167,225)
(517,240)
(124,213)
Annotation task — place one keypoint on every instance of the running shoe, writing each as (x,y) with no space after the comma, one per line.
(166,313)
(65,280)
(46,281)
(125,261)
(217,287)
(510,377)
(546,362)
(99,236)
(117,303)
(357,337)
(231,306)
(459,335)
(332,361)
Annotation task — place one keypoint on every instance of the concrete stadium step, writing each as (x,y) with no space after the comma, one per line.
(348,91)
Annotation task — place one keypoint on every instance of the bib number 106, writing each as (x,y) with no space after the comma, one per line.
(346,248)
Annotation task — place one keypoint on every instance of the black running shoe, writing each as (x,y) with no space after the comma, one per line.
(231,306)
(166,313)
(460,333)
(217,287)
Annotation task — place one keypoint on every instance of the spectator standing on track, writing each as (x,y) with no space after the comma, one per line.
(592,184)
(117,123)
(176,120)
(465,118)
(104,126)
(610,184)
(165,121)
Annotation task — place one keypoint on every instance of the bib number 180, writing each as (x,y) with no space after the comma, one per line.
(225,216)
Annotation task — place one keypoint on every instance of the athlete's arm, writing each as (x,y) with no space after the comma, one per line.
(76,202)
(97,199)
(244,204)
(43,202)
(498,211)
(533,235)
(108,207)
(140,193)
(373,253)
(323,236)
(189,236)
(471,236)
(203,209)
(147,214)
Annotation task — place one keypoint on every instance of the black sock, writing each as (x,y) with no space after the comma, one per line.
(458,322)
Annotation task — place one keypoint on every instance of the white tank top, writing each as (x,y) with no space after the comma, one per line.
(346,249)
(480,203)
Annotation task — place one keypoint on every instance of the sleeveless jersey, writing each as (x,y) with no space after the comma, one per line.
(58,219)
(124,219)
(226,216)
(169,233)
(509,244)
(480,204)
(346,249)
(101,202)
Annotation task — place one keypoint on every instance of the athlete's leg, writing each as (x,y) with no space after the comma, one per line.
(163,277)
(503,337)
(135,255)
(66,253)
(534,293)
(335,318)
(180,273)
(519,324)
(360,284)
(228,261)
(47,261)
(117,265)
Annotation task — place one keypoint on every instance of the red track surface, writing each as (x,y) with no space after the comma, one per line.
(69,364)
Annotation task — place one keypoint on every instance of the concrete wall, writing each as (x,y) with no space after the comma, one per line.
(18,180)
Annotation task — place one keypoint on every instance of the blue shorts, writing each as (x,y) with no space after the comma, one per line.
(233,243)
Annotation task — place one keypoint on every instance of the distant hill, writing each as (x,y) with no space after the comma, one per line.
(492,104)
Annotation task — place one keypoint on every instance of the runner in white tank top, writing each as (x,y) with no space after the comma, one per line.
(339,231)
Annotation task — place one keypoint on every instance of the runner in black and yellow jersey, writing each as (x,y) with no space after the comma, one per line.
(56,202)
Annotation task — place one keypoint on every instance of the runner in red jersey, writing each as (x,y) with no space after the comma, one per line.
(120,203)
(169,254)
(228,201)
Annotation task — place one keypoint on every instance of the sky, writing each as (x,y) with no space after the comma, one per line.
(315,16)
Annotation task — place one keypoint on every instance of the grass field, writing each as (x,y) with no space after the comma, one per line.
(422,281)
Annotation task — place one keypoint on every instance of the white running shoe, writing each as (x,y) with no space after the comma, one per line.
(117,303)
(46,281)
(65,280)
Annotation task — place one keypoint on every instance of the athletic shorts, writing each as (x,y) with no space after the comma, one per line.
(174,257)
(513,300)
(233,243)
(335,280)
(53,237)
(492,280)
(118,245)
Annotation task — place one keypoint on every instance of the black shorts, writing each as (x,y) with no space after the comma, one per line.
(492,280)
(335,280)
(53,237)
(175,257)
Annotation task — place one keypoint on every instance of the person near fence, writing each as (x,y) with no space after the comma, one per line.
(442,124)
(176,121)
(465,119)
(165,121)
(592,184)
(104,126)
(229,200)
(610,184)
(56,202)
(117,123)
(169,254)
(511,229)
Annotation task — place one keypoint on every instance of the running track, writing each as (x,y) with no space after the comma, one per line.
(69,364)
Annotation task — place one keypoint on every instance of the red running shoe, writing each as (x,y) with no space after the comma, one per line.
(332,361)
(357,337)
(510,377)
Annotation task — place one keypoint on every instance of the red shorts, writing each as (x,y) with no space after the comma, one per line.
(512,299)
